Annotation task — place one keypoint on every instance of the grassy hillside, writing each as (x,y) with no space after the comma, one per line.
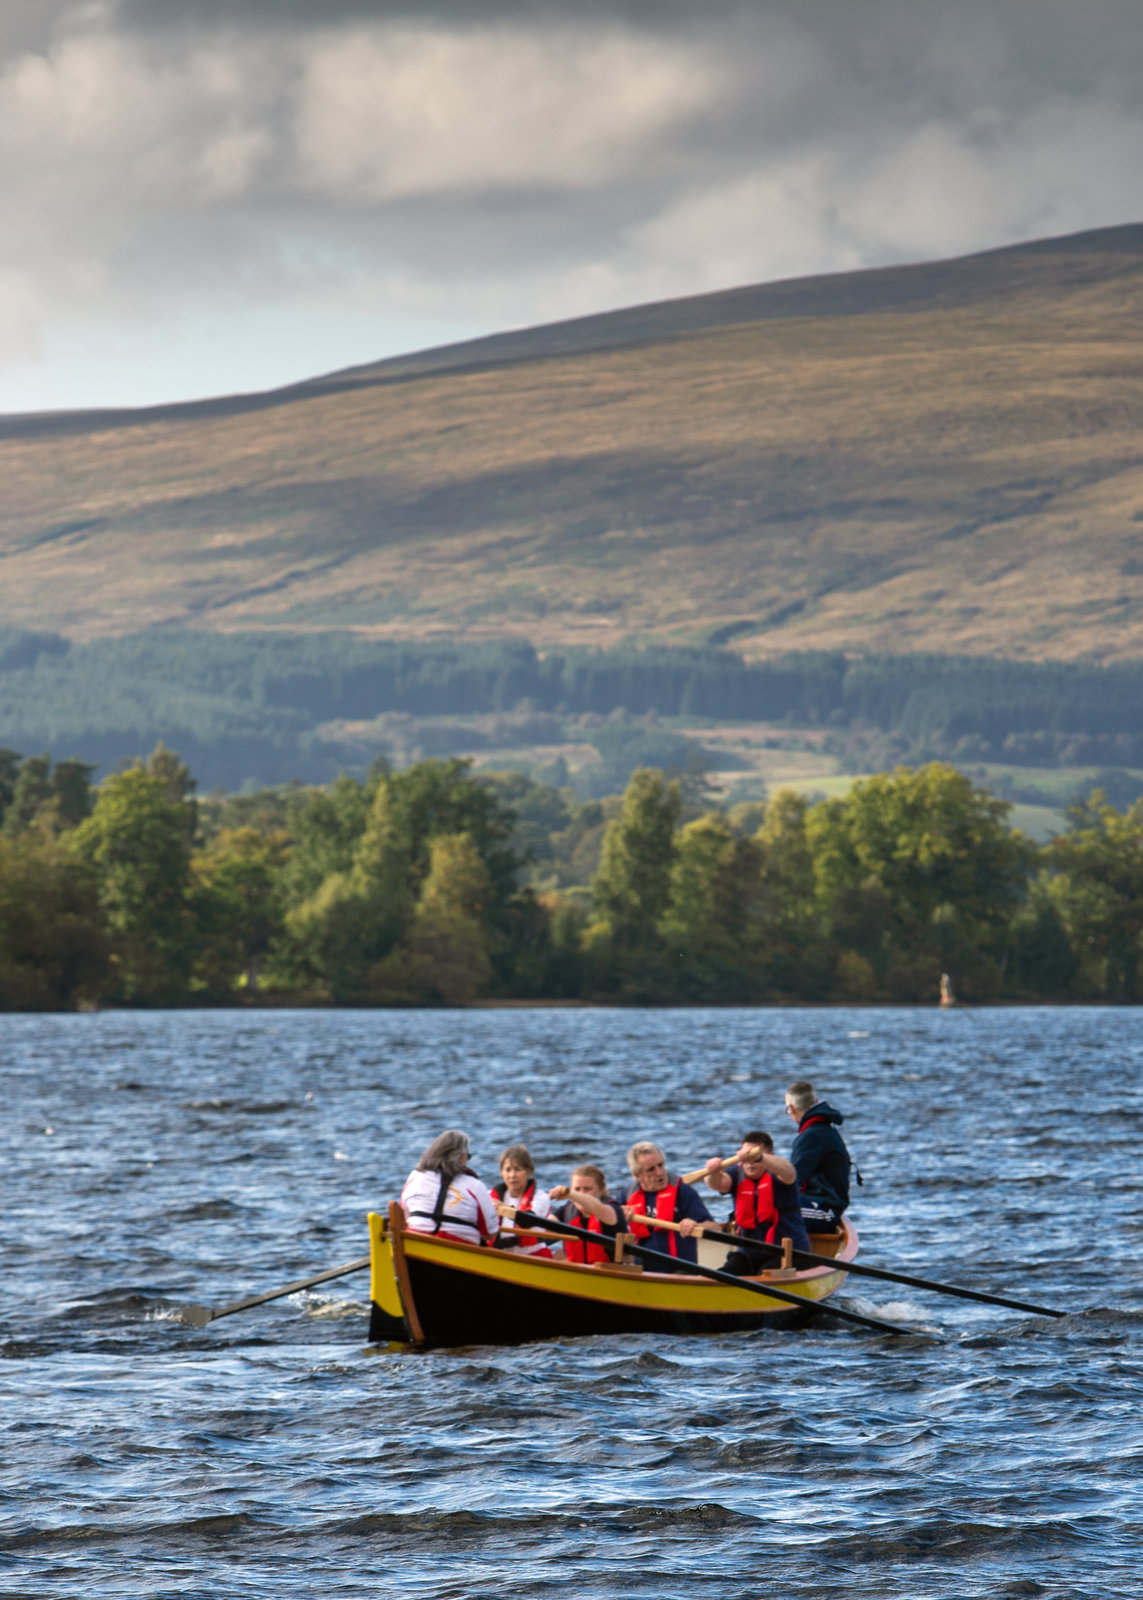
(944,457)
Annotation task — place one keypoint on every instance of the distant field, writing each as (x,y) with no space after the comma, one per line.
(944,458)
(1058,784)
(1039,822)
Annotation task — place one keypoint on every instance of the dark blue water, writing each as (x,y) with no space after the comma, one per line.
(205,1156)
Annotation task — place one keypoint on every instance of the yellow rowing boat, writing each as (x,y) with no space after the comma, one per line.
(436,1291)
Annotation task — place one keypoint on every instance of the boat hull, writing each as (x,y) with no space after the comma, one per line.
(436,1291)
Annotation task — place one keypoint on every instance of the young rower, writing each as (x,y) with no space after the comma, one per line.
(767,1205)
(517,1187)
(588,1205)
(443,1195)
(655,1193)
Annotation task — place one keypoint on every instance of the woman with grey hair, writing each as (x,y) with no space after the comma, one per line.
(444,1196)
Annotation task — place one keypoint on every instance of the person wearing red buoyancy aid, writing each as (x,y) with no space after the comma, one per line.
(517,1187)
(656,1193)
(767,1205)
(588,1206)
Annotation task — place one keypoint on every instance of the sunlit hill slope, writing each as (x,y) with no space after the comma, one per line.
(942,457)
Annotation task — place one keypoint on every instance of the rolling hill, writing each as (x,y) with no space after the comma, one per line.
(945,457)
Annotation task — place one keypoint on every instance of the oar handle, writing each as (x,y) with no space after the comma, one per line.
(723,1163)
(653,1224)
(539,1233)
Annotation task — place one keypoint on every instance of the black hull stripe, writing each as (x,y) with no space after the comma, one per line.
(490,1311)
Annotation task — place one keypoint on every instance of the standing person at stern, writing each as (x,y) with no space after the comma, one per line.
(820,1158)
(656,1193)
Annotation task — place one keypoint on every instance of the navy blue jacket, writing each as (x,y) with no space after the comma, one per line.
(687,1204)
(821,1159)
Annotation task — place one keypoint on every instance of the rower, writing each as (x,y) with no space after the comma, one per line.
(518,1187)
(442,1194)
(656,1193)
(820,1157)
(766,1202)
(588,1205)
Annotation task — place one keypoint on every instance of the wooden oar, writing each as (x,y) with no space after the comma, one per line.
(199,1316)
(803,1259)
(724,1161)
(768,1292)
(530,1233)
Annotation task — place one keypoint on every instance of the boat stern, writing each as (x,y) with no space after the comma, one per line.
(387,1321)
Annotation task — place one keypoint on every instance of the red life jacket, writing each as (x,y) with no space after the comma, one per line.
(754,1208)
(579,1249)
(665,1201)
(500,1190)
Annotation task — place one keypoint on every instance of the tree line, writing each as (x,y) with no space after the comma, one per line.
(435,886)
(254,705)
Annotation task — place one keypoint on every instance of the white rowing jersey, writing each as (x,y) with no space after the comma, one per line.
(466,1211)
(540,1204)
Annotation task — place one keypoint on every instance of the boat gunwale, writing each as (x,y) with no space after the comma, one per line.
(846,1253)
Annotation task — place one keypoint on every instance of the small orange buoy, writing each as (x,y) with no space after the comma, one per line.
(948,998)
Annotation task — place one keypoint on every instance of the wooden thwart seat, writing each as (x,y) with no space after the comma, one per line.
(827,1244)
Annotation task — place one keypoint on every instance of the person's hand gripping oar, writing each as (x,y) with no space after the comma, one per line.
(747,1153)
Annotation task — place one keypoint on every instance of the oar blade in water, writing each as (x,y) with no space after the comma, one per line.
(199,1316)
(196,1316)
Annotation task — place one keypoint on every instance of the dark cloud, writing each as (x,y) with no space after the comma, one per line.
(531,159)
(654,15)
(30,24)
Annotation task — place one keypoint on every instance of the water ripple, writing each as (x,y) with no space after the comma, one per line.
(205,1156)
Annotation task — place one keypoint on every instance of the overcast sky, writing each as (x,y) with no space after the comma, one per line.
(201,196)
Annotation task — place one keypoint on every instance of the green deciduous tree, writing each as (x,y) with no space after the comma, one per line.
(1042,962)
(31,793)
(443,956)
(326,825)
(710,924)
(632,889)
(53,799)
(437,798)
(356,914)
(926,861)
(789,933)
(71,793)
(53,948)
(138,844)
(238,906)
(1099,892)
(9,774)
